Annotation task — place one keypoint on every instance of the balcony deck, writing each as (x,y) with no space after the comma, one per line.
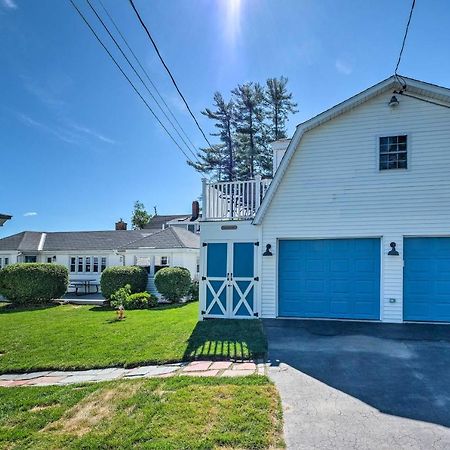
(235,200)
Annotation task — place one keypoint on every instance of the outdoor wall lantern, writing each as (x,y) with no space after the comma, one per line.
(393,102)
(54,258)
(393,251)
(268,252)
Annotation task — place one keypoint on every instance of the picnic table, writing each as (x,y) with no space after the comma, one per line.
(84,283)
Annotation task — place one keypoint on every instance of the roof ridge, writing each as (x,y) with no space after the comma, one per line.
(177,237)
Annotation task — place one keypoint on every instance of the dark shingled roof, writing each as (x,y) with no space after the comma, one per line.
(72,240)
(156,222)
(172,237)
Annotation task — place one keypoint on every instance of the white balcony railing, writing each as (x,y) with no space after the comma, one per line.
(234,200)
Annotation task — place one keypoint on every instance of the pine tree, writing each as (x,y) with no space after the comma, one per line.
(279,105)
(249,122)
(220,158)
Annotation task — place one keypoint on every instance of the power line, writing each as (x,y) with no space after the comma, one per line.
(169,72)
(137,74)
(127,78)
(404,39)
(146,73)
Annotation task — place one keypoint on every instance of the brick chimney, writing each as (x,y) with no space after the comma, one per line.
(121,225)
(195,210)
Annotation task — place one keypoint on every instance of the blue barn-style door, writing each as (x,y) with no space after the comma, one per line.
(230,280)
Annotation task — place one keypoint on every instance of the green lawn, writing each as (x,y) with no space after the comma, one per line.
(172,413)
(82,337)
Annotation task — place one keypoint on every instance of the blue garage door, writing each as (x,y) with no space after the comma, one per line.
(426,284)
(332,278)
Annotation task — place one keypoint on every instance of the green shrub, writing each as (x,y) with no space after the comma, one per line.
(114,278)
(139,300)
(120,296)
(33,282)
(194,291)
(173,282)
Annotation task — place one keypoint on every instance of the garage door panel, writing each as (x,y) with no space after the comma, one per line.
(329,278)
(426,279)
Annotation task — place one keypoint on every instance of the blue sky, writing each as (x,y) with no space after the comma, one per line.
(78,147)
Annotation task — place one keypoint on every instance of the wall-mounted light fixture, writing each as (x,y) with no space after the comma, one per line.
(54,258)
(393,102)
(268,252)
(393,251)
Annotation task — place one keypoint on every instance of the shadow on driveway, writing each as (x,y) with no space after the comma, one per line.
(400,370)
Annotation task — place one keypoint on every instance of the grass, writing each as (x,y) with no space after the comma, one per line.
(84,337)
(171,413)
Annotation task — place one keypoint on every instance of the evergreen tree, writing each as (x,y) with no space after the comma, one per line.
(279,105)
(249,122)
(220,158)
(140,217)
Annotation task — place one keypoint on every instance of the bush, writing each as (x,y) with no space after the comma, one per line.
(120,297)
(173,282)
(114,278)
(194,291)
(139,300)
(33,282)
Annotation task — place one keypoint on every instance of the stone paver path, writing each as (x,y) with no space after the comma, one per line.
(195,368)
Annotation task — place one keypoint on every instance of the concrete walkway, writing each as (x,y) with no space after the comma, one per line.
(195,368)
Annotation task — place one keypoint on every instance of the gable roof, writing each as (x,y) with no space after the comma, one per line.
(34,241)
(169,238)
(156,222)
(415,87)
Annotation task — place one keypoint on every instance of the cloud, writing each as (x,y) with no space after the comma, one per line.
(93,133)
(344,67)
(9,4)
(57,132)
(43,94)
(30,214)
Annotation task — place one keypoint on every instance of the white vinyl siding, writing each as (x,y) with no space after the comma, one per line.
(333,188)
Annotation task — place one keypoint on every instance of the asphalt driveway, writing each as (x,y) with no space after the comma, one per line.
(362,385)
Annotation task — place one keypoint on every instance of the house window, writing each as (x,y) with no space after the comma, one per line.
(164,260)
(393,152)
(87,267)
(191,228)
(103,263)
(30,259)
(87,264)
(198,265)
(95,264)
(49,259)
(73,264)
(80,264)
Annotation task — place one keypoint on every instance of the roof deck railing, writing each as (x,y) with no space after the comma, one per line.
(233,200)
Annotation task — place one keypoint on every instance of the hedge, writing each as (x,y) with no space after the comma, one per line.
(116,277)
(173,283)
(33,282)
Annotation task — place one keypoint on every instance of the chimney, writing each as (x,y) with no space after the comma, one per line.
(121,225)
(195,210)
(279,149)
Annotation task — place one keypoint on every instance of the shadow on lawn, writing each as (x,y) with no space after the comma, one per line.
(220,339)
(160,307)
(8,308)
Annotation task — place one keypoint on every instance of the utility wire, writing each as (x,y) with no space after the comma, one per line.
(128,79)
(168,71)
(145,72)
(137,74)
(403,43)
(150,81)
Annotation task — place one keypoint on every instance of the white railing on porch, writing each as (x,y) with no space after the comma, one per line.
(234,200)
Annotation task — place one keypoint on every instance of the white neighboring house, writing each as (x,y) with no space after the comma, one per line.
(354,225)
(87,253)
